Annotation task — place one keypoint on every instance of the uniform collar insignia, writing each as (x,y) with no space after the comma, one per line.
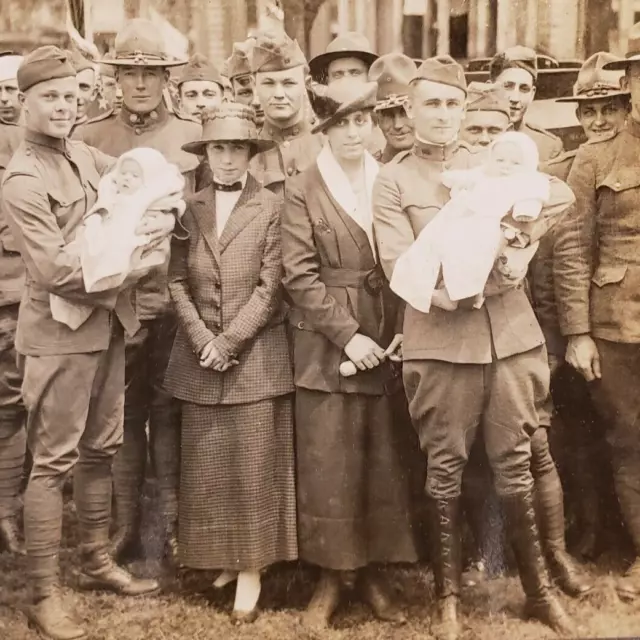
(144,120)
(439,152)
(275,133)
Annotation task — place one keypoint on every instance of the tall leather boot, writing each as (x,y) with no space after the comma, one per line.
(541,603)
(13,446)
(550,511)
(324,602)
(447,567)
(129,467)
(628,587)
(48,615)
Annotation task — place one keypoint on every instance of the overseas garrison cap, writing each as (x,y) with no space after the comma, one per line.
(45,63)
(393,72)
(595,80)
(9,63)
(199,68)
(517,57)
(444,70)
(140,44)
(79,62)
(239,63)
(484,96)
(339,100)
(273,52)
(346,45)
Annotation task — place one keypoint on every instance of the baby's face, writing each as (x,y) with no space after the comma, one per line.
(129,177)
(506,159)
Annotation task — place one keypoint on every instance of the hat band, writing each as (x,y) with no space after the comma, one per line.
(602,90)
(140,57)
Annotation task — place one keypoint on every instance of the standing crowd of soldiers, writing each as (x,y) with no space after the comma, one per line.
(305,183)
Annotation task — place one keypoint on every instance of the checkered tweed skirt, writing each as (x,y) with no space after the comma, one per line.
(237,488)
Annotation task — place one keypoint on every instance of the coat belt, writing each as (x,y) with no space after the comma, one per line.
(371,280)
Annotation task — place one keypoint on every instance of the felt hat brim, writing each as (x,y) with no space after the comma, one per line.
(318,66)
(591,98)
(199,147)
(359,103)
(392,102)
(143,62)
(621,65)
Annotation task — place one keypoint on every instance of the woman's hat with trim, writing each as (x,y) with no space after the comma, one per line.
(338,100)
(229,122)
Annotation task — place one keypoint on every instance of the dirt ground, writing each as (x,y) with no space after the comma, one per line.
(189,609)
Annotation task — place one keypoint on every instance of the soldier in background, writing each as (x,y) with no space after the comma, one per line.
(281,74)
(393,73)
(242,79)
(145,121)
(10,108)
(488,115)
(515,72)
(87,86)
(108,90)
(13,439)
(602,108)
(200,87)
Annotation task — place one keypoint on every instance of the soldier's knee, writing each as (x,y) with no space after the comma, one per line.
(541,459)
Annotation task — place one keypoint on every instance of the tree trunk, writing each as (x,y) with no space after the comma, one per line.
(599,19)
(298,19)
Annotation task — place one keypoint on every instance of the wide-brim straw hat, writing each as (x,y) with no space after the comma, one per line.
(596,80)
(140,44)
(340,99)
(229,122)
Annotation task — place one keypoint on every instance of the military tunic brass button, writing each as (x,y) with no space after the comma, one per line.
(285,144)
(138,131)
(290,171)
(133,118)
(618,185)
(28,151)
(153,115)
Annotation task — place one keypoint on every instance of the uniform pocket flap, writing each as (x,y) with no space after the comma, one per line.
(68,197)
(609,275)
(622,179)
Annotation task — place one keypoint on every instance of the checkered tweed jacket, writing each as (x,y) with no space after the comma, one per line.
(229,290)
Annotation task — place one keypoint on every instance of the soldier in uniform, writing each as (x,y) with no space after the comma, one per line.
(602,107)
(281,70)
(515,72)
(242,79)
(144,121)
(13,440)
(393,72)
(595,268)
(487,116)
(73,386)
(10,108)
(465,367)
(110,95)
(87,87)
(200,87)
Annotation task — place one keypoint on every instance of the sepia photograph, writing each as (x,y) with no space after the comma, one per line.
(317,319)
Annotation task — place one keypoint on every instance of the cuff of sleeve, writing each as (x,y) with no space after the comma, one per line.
(341,339)
(556,343)
(180,232)
(575,327)
(200,338)
(224,346)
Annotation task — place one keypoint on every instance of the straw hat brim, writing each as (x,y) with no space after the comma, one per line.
(135,62)
(621,65)
(319,64)
(585,98)
(199,147)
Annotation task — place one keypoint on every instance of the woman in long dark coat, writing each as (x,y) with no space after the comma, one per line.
(353,489)
(230,366)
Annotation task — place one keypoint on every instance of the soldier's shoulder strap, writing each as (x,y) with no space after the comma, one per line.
(543,131)
(563,157)
(400,156)
(609,136)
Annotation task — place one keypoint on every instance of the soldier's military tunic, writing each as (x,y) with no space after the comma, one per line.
(12,413)
(549,145)
(597,280)
(501,342)
(147,353)
(297,150)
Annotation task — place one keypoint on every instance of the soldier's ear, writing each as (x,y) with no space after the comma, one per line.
(22,99)
(167,75)
(408,109)
(624,81)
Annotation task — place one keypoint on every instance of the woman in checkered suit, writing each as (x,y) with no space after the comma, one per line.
(230,367)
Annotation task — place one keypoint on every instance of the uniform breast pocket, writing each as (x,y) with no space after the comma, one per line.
(68,205)
(420,213)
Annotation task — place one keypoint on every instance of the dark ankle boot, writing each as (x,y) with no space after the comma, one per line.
(550,512)
(541,603)
(99,572)
(48,616)
(324,602)
(376,594)
(628,587)
(447,568)
(10,536)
